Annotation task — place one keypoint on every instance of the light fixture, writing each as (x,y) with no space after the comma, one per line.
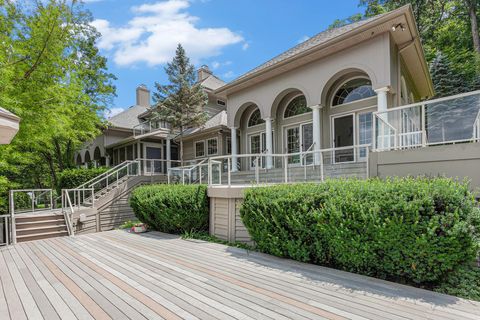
(401,26)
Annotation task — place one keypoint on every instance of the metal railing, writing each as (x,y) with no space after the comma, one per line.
(189,174)
(310,165)
(68,211)
(448,120)
(5,230)
(149,126)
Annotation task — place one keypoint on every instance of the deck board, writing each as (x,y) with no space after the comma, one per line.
(118,275)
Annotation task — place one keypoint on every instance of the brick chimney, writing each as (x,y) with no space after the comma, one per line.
(143,96)
(203,73)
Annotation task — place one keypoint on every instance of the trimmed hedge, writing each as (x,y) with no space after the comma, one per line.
(407,230)
(172,208)
(72,178)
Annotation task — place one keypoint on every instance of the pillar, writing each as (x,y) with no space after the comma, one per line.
(169,153)
(317,120)
(233,141)
(384,134)
(269,142)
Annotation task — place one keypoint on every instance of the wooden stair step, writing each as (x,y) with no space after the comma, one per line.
(39,236)
(41,230)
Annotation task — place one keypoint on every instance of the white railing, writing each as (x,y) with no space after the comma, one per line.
(448,120)
(5,229)
(189,174)
(311,165)
(68,211)
(149,126)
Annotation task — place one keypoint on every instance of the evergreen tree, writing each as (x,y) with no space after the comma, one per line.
(446,81)
(181,103)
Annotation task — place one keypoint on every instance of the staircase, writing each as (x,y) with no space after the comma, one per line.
(40,226)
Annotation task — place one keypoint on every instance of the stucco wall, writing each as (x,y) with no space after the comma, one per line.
(313,80)
(456,161)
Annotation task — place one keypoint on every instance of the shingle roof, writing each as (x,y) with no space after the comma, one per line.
(128,118)
(316,40)
(218,120)
(212,82)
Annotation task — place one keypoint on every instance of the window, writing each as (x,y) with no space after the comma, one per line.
(353,90)
(212,146)
(199,149)
(130,152)
(296,107)
(221,102)
(255,118)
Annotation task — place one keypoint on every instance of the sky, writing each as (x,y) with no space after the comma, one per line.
(230,36)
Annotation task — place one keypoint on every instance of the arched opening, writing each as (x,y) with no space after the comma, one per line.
(296,107)
(97,154)
(87,157)
(79,160)
(349,103)
(255,118)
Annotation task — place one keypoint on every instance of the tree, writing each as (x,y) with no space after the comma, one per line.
(54,78)
(181,102)
(446,80)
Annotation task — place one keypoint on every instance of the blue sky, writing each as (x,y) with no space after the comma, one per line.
(230,36)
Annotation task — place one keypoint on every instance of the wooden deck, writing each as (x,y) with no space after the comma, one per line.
(117,275)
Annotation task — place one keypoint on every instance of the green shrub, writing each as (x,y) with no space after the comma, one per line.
(172,208)
(72,178)
(463,282)
(407,230)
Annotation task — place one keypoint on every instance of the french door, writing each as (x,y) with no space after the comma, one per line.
(343,136)
(299,138)
(257,145)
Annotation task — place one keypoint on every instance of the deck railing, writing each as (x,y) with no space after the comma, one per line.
(448,120)
(149,126)
(312,165)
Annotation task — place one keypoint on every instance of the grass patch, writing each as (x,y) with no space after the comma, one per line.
(202,235)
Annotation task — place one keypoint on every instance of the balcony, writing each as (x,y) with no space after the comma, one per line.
(150,126)
(449,120)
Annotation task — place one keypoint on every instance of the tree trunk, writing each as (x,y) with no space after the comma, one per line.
(472,13)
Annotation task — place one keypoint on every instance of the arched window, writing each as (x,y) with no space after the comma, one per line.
(97,154)
(87,157)
(352,90)
(255,118)
(79,159)
(295,107)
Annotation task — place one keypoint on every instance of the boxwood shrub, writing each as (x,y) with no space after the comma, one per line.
(172,208)
(406,230)
(72,178)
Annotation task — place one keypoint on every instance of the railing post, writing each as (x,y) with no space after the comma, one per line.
(374,133)
(117,178)
(51,199)
(209,172)
(183,176)
(424,129)
(33,200)
(285,167)
(257,170)
(229,178)
(93,197)
(12,217)
(368,163)
(200,173)
(321,165)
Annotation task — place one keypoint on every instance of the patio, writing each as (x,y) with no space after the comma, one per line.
(117,275)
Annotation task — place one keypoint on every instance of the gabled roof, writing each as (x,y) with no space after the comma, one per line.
(217,121)
(128,118)
(316,40)
(212,82)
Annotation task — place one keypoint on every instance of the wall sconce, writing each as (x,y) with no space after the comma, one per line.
(396,27)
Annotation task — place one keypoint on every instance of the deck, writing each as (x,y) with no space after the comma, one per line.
(117,275)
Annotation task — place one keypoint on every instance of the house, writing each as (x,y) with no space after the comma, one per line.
(348,102)
(136,133)
(9,125)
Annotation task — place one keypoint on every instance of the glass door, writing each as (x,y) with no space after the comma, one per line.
(307,142)
(343,136)
(152,167)
(257,146)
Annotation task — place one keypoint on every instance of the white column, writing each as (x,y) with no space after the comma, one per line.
(233,142)
(169,153)
(317,120)
(107,161)
(384,140)
(269,142)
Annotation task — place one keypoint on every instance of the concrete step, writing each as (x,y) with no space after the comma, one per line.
(39,236)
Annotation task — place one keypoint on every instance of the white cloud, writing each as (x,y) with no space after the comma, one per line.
(216,64)
(245,46)
(112,112)
(228,75)
(152,35)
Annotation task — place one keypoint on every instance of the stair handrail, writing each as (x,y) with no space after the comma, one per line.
(187,168)
(103,174)
(66,215)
